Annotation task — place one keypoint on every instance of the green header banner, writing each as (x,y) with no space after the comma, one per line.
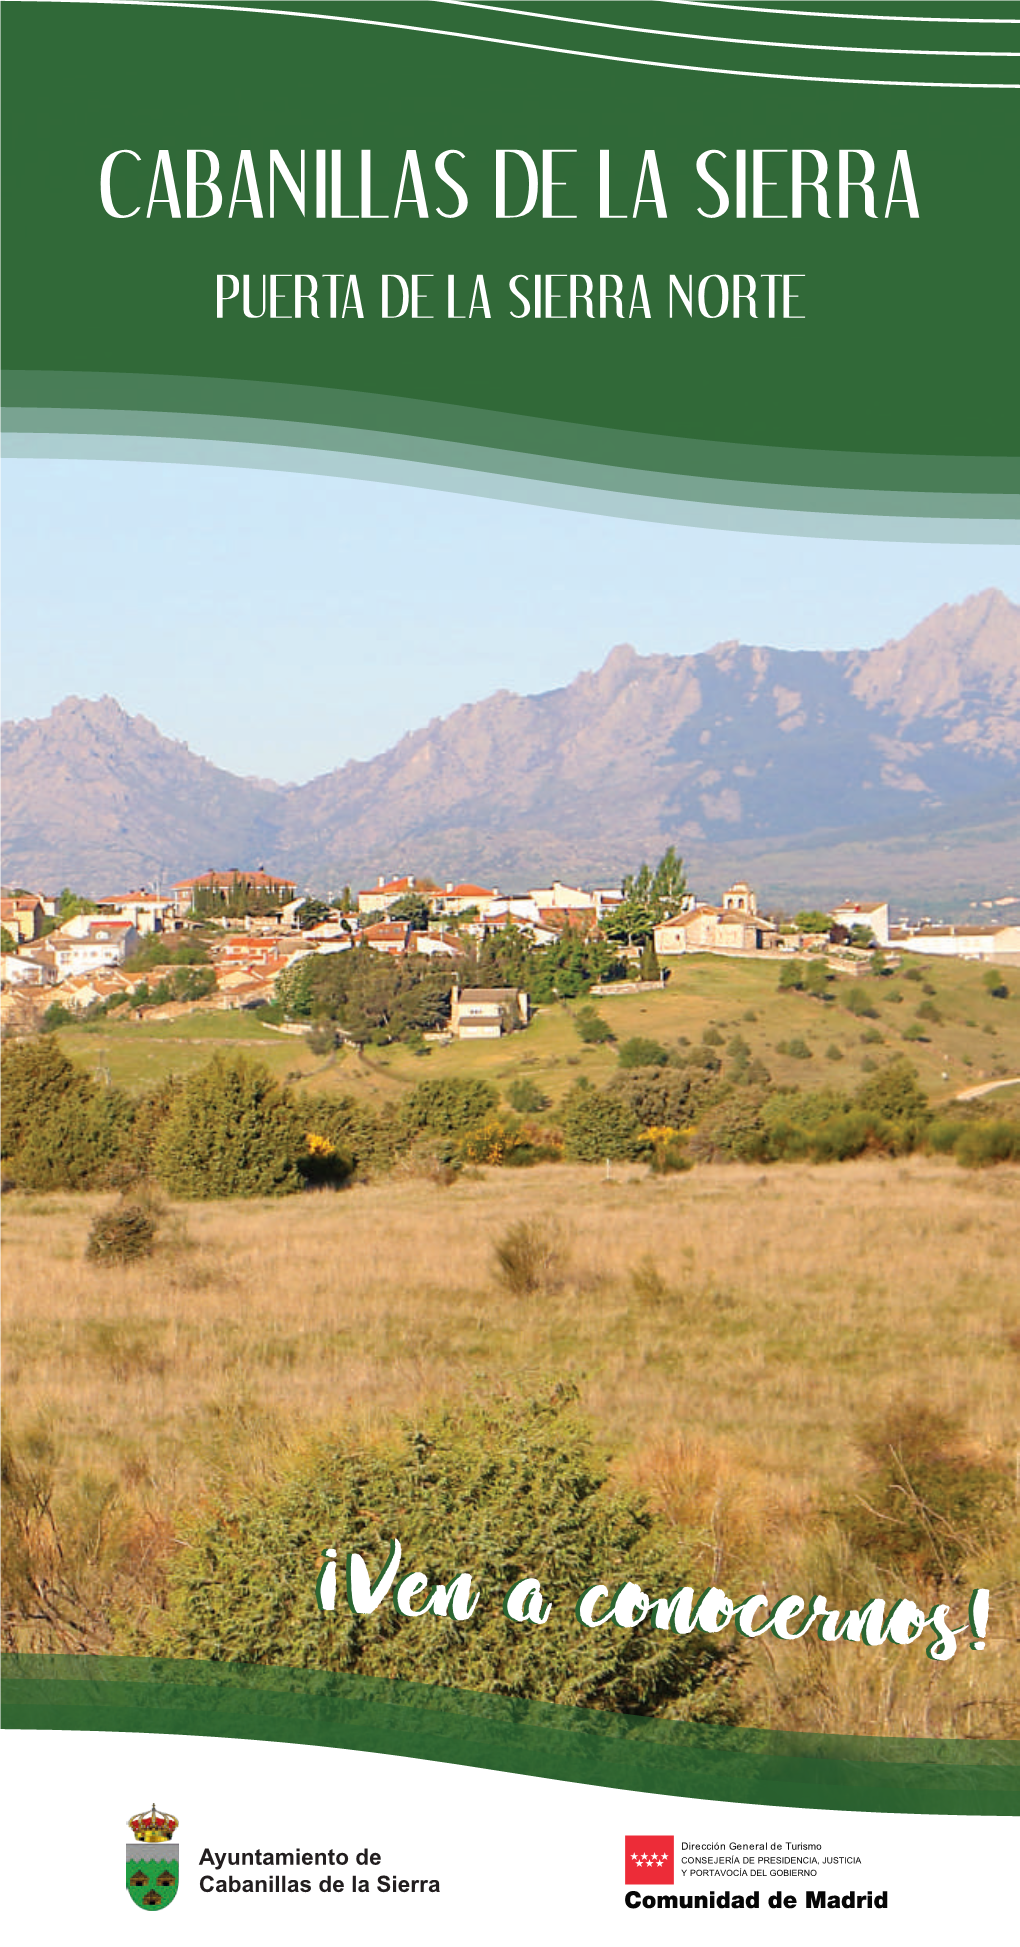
(766,252)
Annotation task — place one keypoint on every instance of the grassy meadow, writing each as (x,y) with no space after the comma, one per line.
(974,1038)
(729,1330)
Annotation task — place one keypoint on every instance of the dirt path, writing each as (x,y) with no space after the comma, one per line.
(986,1088)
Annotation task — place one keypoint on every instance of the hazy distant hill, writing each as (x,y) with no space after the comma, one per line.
(101,801)
(893,770)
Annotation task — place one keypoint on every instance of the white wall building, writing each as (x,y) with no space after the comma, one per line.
(874,914)
(967,942)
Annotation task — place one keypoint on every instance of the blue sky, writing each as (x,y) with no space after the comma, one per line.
(281,624)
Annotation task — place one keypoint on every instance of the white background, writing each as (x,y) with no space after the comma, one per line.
(519,1860)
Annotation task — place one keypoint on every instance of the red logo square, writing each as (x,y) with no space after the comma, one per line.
(648,1861)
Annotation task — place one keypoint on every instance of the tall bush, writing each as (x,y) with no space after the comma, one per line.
(599,1127)
(230,1132)
(500,1490)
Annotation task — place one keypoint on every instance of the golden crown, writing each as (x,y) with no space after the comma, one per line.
(152,1827)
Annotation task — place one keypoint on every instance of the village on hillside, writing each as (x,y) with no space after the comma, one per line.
(85,955)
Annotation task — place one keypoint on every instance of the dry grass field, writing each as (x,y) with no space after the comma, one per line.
(728,1329)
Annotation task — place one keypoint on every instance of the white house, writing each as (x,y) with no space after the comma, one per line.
(872,913)
(486,1013)
(88,942)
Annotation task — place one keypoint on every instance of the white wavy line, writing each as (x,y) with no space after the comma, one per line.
(817,13)
(535,47)
(733,40)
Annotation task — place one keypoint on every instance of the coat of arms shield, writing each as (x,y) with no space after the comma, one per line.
(153,1861)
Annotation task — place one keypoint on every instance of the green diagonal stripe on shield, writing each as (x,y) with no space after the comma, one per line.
(153,1861)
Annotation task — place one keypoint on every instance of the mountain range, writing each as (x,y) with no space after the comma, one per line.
(817,773)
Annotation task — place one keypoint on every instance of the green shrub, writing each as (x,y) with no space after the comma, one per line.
(895,1092)
(989,1142)
(833,1053)
(56,1016)
(642,1052)
(599,1126)
(912,973)
(798,1049)
(368,1139)
(858,1001)
(593,1030)
(447,1106)
(526,1097)
(75,1143)
(672,1097)
(492,1141)
(500,1490)
(942,1137)
(123,1234)
(231,1131)
(733,1130)
(995,984)
(35,1075)
(711,1038)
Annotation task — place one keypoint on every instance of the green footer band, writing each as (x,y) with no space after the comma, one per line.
(602,1748)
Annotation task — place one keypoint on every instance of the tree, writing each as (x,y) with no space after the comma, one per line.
(311,912)
(648,897)
(372,996)
(634,920)
(412,908)
(650,969)
(816,980)
(8,943)
(813,921)
(599,1127)
(68,905)
(230,1132)
(895,1092)
(669,882)
(500,1490)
